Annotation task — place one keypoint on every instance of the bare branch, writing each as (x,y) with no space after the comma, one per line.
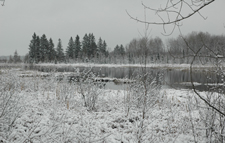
(175,8)
(192,83)
(3,3)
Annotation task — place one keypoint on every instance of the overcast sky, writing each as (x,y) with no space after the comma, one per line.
(107,19)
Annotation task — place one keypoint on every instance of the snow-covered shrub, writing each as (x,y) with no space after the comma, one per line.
(78,87)
(10,107)
(142,96)
(213,122)
(143,92)
(89,89)
(66,92)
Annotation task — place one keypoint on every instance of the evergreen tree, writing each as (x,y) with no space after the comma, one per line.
(16,57)
(100,46)
(93,47)
(85,46)
(77,46)
(118,53)
(116,50)
(101,50)
(51,50)
(44,49)
(89,47)
(104,51)
(121,50)
(40,49)
(37,50)
(59,52)
(70,49)
(32,49)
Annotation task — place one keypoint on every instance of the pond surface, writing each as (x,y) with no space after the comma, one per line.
(171,78)
(178,79)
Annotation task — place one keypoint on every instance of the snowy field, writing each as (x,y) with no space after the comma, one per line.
(39,108)
(176,66)
(173,66)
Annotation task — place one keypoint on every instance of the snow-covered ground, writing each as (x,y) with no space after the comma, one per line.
(51,111)
(177,66)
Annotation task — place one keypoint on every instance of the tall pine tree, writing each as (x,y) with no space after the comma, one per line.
(59,52)
(99,46)
(89,47)
(16,57)
(77,46)
(85,46)
(51,53)
(104,49)
(93,47)
(70,49)
(37,50)
(44,49)
(122,50)
(32,49)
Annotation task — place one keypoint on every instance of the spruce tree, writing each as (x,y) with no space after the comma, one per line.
(77,46)
(89,47)
(100,46)
(44,49)
(37,50)
(93,47)
(70,49)
(16,57)
(51,50)
(121,50)
(85,46)
(59,52)
(104,51)
(32,49)
(117,50)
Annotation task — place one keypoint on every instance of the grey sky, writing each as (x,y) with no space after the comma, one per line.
(107,19)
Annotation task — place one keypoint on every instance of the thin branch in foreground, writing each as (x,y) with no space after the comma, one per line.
(192,83)
(3,3)
(178,18)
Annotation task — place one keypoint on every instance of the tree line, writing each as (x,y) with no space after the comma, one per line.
(174,50)
(42,50)
(209,47)
(137,51)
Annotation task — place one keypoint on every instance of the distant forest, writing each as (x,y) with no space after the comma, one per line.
(138,51)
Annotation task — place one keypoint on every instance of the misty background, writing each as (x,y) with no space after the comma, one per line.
(106,19)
